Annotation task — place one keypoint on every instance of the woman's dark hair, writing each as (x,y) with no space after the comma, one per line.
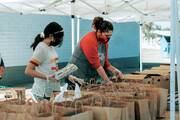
(106,26)
(96,22)
(52,28)
(102,25)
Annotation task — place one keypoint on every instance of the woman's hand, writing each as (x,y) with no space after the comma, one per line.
(1,71)
(107,82)
(118,73)
(51,78)
(74,79)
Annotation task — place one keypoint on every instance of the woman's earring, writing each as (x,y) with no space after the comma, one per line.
(52,39)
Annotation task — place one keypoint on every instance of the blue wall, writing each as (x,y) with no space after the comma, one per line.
(85,27)
(124,49)
(125,40)
(18,31)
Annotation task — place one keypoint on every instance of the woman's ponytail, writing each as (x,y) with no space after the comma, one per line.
(97,22)
(37,40)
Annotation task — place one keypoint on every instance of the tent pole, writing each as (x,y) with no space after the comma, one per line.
(178,61)
(72,24)
(78,29)
(140,45)
(72,32)
(172,63)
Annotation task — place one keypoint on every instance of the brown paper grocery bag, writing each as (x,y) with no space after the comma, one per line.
(8,107)
(142,110)
(86,115)
(12,116)
(106,113)
(162,101)
(22,116)
(152,104)
(41,109)
(72,112)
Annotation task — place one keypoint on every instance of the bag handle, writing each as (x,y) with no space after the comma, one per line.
(76,106)
(95,98)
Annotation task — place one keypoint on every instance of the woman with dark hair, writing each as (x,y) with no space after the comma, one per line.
(91,53)
(43,62)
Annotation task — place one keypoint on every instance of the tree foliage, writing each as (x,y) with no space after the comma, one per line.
(148,28)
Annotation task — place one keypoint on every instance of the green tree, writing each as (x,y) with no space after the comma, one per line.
(148,29)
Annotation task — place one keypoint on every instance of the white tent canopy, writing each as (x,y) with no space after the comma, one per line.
(115,10)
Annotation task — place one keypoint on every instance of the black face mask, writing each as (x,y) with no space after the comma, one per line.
(58,39)
(108,39)
(57,42)
(104,39)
